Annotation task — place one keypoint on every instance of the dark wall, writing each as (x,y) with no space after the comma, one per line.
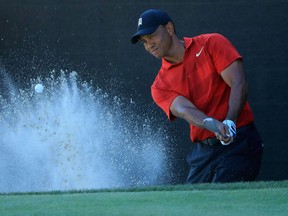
(93,38)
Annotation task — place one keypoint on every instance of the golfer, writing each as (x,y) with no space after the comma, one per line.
(202,81)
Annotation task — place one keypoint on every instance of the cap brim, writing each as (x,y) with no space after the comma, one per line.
(146,31)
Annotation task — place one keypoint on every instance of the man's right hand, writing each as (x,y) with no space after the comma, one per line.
(220,129)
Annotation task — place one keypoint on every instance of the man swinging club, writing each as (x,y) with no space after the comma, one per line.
(202,81)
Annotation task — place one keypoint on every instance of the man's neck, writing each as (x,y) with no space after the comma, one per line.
(176,52)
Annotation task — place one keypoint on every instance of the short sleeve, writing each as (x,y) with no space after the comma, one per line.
(222,51)
(163,98)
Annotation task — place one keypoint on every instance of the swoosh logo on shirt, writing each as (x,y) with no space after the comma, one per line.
(198,54)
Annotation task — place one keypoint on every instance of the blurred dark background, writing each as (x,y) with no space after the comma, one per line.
(92,37)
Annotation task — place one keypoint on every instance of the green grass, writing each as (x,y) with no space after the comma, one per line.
(257,198)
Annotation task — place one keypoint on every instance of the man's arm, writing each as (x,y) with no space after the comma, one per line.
(234,76)
(183,108)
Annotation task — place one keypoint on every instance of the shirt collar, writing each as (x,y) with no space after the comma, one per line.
(167,65)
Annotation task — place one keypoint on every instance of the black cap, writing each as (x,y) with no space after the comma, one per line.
(149,21)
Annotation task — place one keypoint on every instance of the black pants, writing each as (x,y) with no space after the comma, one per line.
(238,161)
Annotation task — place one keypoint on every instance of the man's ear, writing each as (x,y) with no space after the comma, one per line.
(170,28)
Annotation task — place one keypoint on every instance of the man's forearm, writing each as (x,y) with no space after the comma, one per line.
(237,100)
(183,108)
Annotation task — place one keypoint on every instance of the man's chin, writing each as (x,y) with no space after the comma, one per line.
(158,56)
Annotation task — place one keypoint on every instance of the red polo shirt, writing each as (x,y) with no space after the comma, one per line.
(198,79)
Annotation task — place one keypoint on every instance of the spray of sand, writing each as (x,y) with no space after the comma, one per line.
(73,136)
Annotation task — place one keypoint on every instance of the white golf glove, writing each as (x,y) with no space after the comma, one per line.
(232,131)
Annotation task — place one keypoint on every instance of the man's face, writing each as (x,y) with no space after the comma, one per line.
(157,43)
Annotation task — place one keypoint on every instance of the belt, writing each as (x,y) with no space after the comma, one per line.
(214,141)
(210,141)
